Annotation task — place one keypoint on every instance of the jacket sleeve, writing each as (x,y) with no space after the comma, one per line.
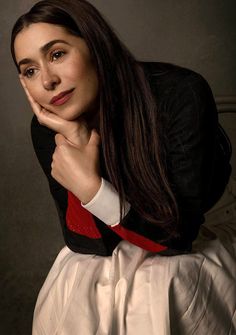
(191,150)
(190,124)
(82,232)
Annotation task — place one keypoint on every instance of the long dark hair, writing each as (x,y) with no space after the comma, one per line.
(129,127)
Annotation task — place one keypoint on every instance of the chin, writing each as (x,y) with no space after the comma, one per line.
(66,113)
(69,116)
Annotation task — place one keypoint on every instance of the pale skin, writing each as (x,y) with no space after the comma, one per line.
(44,75)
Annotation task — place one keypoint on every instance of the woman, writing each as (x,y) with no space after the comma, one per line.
(130,151)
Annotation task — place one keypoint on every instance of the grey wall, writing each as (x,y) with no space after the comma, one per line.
(197,34)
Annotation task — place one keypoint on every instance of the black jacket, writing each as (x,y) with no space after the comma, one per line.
(197,161)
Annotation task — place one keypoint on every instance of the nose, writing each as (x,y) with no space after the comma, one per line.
(50,79)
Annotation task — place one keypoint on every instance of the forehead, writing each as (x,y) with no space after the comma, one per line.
(33,37)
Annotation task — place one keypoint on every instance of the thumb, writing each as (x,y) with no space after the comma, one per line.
(44,116)
(60,139)
(94,138)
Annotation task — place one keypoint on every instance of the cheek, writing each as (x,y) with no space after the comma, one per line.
(35,92)
(77,69)
(86,77)
(73,73)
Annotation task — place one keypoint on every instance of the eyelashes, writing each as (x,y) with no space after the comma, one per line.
(29,72)
(53,57)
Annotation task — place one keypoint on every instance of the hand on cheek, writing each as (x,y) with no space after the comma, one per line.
(77,168)
(75,131)
(75,162)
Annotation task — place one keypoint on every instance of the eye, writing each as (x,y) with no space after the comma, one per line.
(57,54)
(29,72)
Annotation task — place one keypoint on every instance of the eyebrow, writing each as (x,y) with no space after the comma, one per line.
(44,49)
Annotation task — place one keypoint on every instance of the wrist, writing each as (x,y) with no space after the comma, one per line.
(91,190)
(106,205)
(79,134)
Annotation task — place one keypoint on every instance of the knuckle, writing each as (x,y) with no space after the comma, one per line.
(40,121)
(53,159)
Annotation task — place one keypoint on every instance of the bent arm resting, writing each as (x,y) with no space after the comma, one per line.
(82,233)
(189,119)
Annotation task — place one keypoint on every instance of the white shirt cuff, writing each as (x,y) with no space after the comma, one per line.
(105,205)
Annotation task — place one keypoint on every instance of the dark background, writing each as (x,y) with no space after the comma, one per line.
(199,34)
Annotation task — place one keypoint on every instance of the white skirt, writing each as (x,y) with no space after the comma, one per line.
(135,292)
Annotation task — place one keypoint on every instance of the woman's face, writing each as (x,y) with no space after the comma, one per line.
(57,70)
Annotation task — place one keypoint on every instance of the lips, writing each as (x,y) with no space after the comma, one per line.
(61,98)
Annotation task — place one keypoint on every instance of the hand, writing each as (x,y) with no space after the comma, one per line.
(75,132)
(77,169)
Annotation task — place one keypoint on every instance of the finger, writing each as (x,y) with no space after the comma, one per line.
(35,106)
(51,120)
(60,139)
(94,138)
(54,122)
(22,80)
(30,98)
(44,116)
